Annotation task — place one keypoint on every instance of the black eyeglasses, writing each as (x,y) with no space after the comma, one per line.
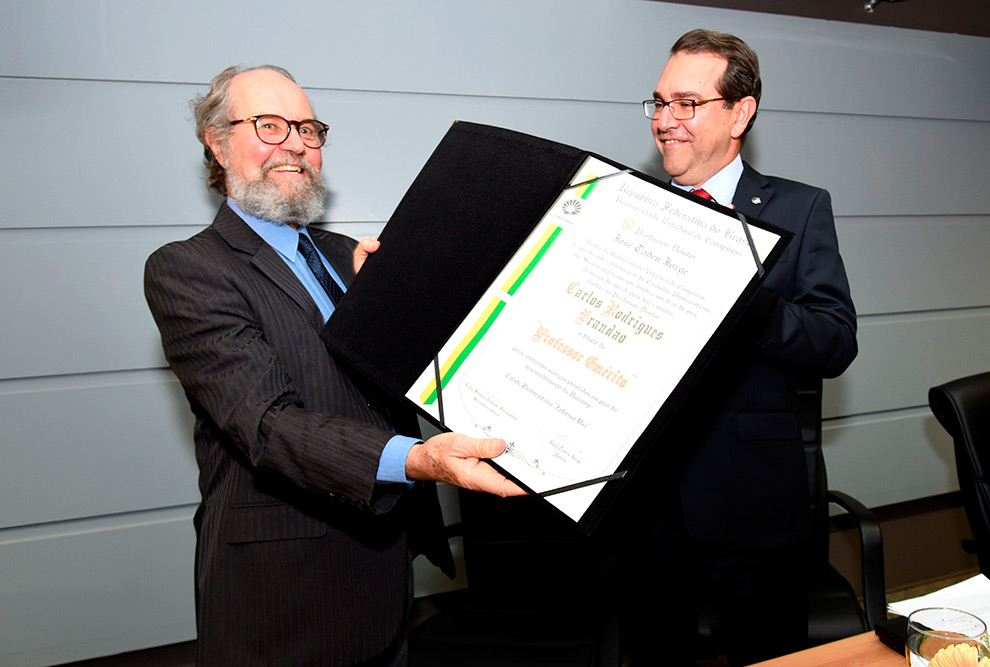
(679,109)
(274,129)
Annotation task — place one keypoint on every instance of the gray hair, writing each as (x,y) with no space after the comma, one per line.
(212,112)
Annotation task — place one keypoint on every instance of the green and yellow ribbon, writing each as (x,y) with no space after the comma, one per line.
(491,312)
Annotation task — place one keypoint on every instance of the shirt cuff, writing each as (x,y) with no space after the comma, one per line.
(392,464)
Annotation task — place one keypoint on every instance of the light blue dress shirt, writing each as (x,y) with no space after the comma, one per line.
(284,239)
(721,186)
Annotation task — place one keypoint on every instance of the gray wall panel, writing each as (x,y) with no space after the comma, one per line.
(444,47)
(79,300)
(59,462)
(913,263)
(844,68)
(890,458)
(114,154)
(139,163)
(96,587)
(378,148)
(519,48)
(879,166)
(901,356)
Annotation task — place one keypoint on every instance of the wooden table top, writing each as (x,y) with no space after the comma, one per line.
(863,650)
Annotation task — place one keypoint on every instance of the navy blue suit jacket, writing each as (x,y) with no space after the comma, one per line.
(734,450)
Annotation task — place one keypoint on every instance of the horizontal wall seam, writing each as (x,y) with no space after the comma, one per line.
(891,414)
(447,94)
(871,318)
(98,523)
(115,376)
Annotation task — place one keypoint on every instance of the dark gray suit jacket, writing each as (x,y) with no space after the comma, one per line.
(301,557)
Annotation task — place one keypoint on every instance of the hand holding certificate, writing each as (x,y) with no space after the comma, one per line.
(457,459)
(602,312)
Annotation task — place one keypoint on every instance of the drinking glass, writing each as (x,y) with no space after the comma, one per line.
(935,628)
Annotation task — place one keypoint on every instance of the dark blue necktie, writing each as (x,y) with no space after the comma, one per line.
(319,271)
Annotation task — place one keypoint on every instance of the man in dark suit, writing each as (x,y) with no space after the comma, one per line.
(729,479)
(308,513)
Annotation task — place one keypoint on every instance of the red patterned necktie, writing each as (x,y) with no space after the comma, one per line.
(701,192)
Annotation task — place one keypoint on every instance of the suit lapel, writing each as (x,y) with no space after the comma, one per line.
(753,192)
(242,238)
(339,256)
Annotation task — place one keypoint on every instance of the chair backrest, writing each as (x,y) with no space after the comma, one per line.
(809,410)
(962,407)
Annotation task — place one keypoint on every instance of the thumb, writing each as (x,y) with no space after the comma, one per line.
(489,448)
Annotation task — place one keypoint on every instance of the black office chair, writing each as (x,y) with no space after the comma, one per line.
(539,594)
(834,611)
(962,407)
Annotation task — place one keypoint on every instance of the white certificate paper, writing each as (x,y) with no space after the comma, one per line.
(589,327)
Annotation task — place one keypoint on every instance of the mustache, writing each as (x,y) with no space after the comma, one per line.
(287,161)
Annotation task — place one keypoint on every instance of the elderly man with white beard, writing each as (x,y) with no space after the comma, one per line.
(314,497)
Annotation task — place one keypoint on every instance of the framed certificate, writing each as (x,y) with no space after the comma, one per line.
(562,302)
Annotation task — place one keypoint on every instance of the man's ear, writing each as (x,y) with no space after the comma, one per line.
(744,110)
(216,147)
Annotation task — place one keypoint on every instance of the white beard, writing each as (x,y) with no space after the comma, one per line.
(302,204)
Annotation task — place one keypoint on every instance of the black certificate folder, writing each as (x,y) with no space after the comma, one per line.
(533,291)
